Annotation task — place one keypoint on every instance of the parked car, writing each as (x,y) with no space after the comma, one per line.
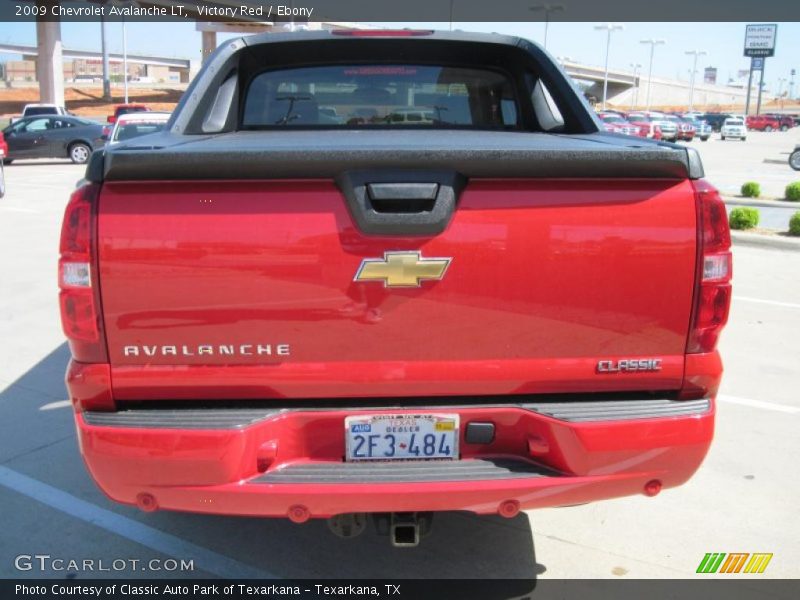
(686,130)
(670,131)
(3,146)
(53,137)
(786,122)
(715,120)
(38,109)
(734,128)
(134,125)
(762,123)
(273,316)
(702,129)
(794,158)
(614,123)
(124,109)
(652,128)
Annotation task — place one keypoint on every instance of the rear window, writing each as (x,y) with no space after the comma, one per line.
(129,131)
(33,111)
(359,96)
(130,109)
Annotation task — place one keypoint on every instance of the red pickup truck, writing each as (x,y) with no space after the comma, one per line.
(763,123)
(294,303)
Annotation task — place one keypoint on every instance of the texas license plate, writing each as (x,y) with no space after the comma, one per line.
(401,437)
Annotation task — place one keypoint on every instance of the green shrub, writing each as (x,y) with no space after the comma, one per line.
(751,189)
(743,217)
(793,191)
(794,224)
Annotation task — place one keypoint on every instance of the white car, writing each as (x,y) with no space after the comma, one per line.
(37,110)
(133,125)
(734,128)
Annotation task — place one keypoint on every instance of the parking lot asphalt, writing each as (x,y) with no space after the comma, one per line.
(743,499)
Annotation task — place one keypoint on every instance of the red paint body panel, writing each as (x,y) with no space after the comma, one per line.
(209,471)
(547,277)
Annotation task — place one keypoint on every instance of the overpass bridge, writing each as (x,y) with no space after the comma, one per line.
(33,51)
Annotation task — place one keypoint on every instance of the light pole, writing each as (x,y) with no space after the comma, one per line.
(548,9)
(636,67)
(608,28)
(653,43)
(694,53)
(781,81)
(125,59)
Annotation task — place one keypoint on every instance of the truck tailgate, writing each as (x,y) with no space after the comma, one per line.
(245,290)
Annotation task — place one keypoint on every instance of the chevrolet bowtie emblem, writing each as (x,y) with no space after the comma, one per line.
(401,269)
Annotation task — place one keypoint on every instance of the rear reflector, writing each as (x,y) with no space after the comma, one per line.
(79,298)
(714,271)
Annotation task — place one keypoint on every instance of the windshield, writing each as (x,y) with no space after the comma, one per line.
(358,96)
(612,119)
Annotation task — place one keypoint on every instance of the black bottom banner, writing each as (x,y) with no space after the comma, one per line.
(407,589)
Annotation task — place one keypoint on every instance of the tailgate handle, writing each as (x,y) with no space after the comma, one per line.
(402,197)
(401,202)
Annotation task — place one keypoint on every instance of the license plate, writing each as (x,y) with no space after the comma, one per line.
(401,437)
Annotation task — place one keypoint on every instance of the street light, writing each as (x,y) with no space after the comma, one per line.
(653,43)
(548,9)
(635,67)
(609,28)
(694,53)
(781,81)
(125,59)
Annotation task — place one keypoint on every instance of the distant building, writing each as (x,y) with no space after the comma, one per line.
(710,75)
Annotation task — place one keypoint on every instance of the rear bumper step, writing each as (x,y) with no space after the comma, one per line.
(238,418)
(408,472)
(283,462)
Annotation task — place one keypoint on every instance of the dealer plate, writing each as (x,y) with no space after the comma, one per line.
(401,437)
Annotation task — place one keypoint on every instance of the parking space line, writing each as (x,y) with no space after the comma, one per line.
(759,404)
(771,302)
(165,543)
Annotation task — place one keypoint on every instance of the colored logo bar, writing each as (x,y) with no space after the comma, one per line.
(735,562)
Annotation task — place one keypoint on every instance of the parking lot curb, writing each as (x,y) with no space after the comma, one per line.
(760,203)
(741,238)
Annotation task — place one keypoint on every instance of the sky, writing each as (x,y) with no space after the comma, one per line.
(578,41)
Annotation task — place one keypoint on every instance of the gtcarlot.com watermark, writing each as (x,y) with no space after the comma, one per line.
(47,562)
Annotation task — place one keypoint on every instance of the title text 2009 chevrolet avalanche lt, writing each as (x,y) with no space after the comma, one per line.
(391,273)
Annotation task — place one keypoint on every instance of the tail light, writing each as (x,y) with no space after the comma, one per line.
(77,278)
(382,32)
(714,270)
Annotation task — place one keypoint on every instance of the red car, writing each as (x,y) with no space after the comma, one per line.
(273,314)
(613,122)
(686,131)
(763,123)
(647,125)
(785,122)
(124,109)
(3,146)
